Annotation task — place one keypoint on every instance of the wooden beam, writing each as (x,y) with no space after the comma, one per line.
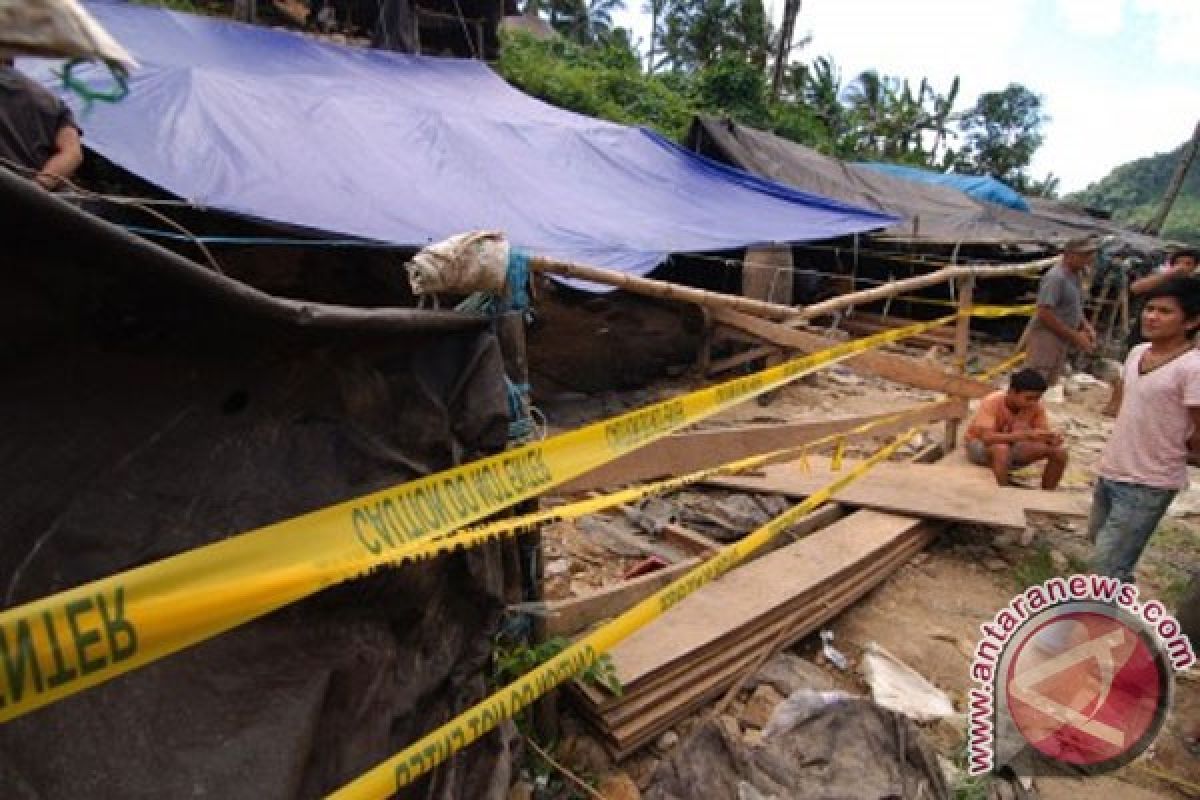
(719,301)
(746,357)
(962,344)
(900,369)
(687,452)
(566,617)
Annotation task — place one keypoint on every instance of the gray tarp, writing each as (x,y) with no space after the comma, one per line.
(852,751)
(930,213)
(147,411)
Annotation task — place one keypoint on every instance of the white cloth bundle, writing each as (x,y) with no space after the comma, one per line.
(56,29)
(469,262)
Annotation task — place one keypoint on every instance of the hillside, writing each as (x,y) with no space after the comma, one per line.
(1133,190)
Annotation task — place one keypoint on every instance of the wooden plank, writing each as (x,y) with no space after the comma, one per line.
(689,541)
(691,689)
(747,629)
(900,369)
(688,452)
(798,619)
(745,357)
(755,589)
(950,492)
(565,617)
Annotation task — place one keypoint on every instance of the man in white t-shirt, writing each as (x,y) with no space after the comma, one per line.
(1180,263)
(1158,427)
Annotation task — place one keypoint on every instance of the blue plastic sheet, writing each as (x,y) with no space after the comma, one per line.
(410,150)
(981,187)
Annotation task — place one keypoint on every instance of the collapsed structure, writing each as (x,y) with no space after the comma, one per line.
(220,402)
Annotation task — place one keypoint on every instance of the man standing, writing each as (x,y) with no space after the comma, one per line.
(38,135)
(1179,264)
(1145,462)
(1059,325)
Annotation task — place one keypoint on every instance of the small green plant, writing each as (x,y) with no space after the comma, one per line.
(1039,567)
(511,661)
(968,787)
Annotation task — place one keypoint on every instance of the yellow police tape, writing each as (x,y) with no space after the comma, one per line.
(62,644)
(513,526)
(422,756)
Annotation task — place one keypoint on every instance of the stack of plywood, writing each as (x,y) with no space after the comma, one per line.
(699,648)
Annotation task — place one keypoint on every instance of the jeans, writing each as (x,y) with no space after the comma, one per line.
(1123,517)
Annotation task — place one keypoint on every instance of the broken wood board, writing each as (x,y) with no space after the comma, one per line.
(683,453)
(901,369)
(959,493)
(566,617)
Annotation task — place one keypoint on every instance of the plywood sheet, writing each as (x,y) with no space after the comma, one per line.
(958,492)
(755,590)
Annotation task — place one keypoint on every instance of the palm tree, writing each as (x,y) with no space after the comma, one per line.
(595,18)
(656,9)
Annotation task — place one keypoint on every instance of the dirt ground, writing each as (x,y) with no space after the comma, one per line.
(928,613)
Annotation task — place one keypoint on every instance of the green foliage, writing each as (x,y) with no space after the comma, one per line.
(1039,568)
(1133,191)
(601,81)
(1001,134)
(511,661)
(737,88)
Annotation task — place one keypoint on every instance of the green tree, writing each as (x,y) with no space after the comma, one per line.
(735,88)
(1000,135)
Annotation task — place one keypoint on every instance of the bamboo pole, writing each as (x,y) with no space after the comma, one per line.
(962,343)
(773,311)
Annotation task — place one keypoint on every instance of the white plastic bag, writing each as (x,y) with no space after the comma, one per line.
(799,706)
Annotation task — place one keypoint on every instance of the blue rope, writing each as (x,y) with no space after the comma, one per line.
(516,281)
(520,426)
(263,241)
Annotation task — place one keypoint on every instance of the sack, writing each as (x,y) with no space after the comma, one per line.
(56,29)
(469,262)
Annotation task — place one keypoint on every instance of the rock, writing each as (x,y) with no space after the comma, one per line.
(760,705)
(996,564)
(787,672)
(1060,561)
(557,567)
(617,785)
(582,753)
(667,741)
(642,769)
(521,790)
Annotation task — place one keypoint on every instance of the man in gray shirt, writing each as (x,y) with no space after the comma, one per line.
(1059,325)
(38,135)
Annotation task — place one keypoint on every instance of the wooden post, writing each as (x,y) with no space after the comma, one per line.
(962,345)
(510,331)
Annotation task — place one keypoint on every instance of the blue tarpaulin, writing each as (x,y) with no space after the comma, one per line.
(410,149)
(981,187)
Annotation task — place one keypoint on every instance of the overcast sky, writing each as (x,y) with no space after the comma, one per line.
(1120,78)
